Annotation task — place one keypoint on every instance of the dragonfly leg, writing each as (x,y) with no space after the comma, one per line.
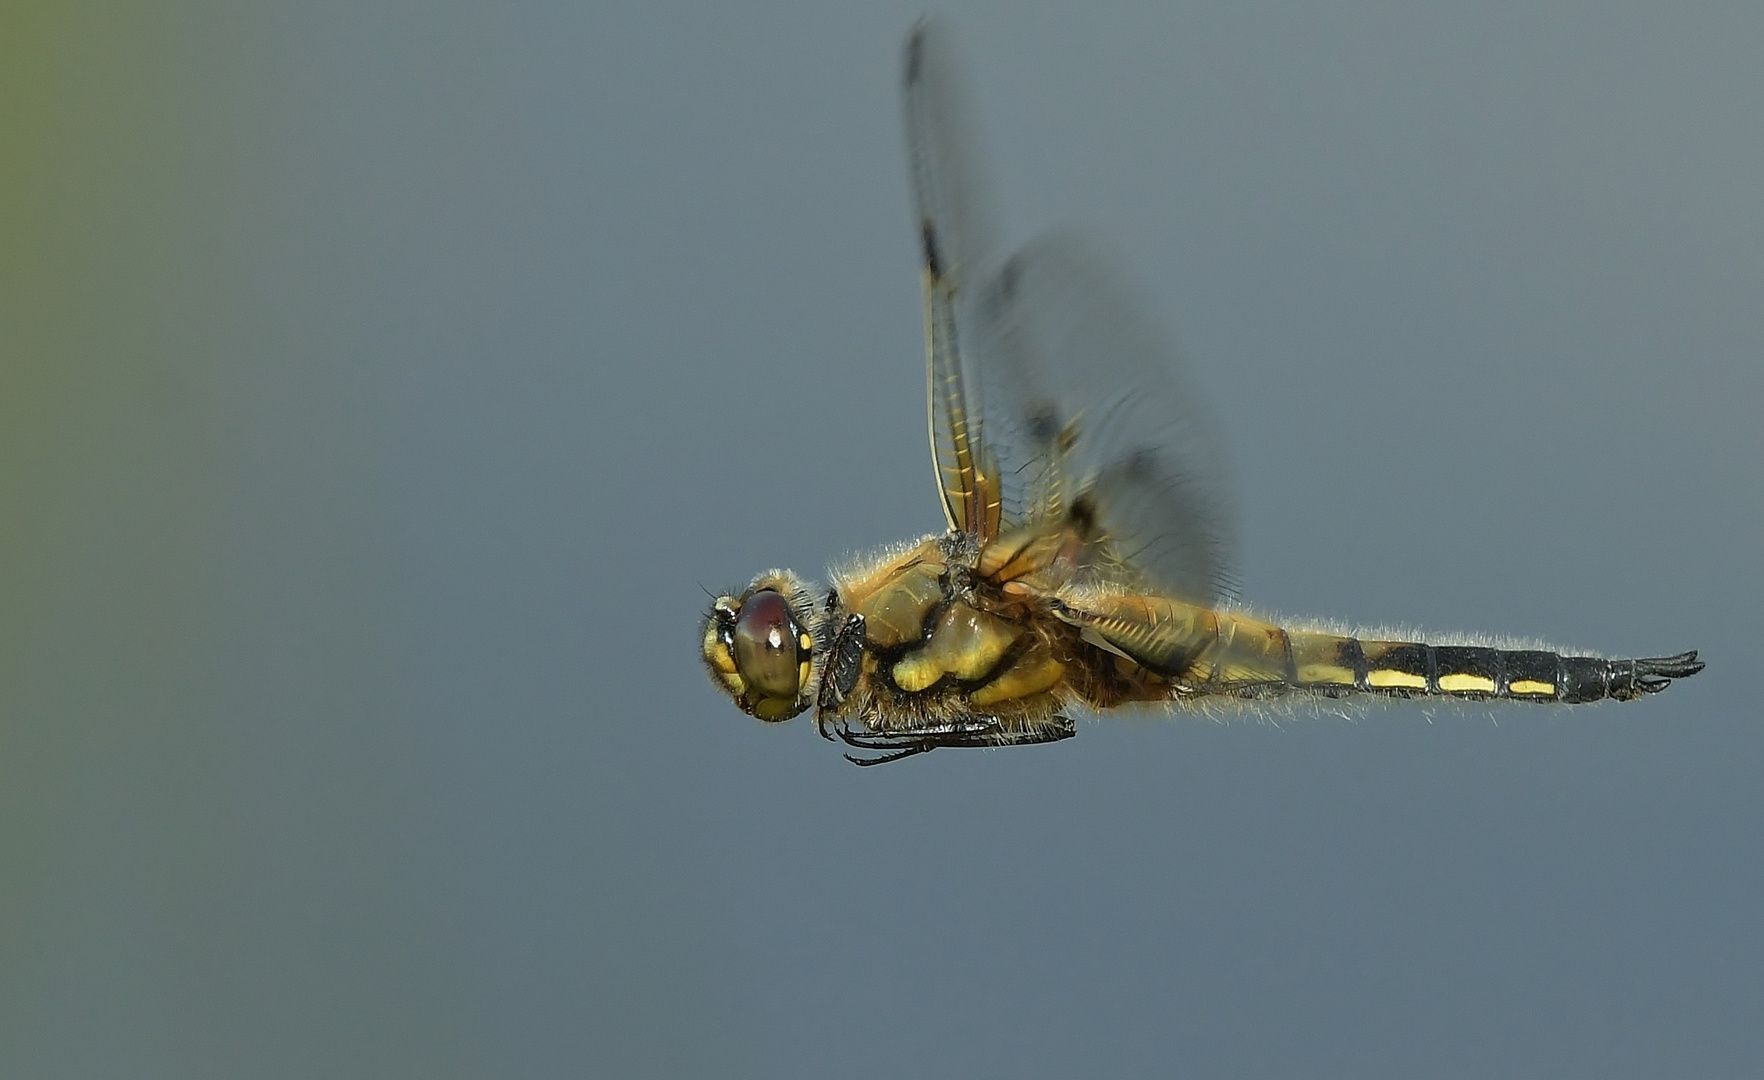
(844,663)
(883,759)
(895,745)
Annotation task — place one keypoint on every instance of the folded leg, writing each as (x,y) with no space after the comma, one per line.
(894,745)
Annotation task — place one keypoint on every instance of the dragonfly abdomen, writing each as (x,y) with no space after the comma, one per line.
(1329,662)
(1203,652)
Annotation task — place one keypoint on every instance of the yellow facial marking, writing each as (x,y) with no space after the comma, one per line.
(1460,684)
(713,649)
(1531,686)
(1385,679)
(774,709)
(722,662)
(1325,675)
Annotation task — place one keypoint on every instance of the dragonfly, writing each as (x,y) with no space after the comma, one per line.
(1087,563)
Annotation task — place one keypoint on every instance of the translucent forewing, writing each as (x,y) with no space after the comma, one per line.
(950,194)
(1051,393)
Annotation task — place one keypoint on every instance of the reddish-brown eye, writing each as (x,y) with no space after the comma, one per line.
(766,646)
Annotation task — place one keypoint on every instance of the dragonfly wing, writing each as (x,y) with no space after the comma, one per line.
(956,235)
(1095,430)
(1055,405)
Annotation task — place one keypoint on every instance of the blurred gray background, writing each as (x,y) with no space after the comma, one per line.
(432,357)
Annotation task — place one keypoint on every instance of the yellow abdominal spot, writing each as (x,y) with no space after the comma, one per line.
(1387,678)
(1531,686)
(1467,684)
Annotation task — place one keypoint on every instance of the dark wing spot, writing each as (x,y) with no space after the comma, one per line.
(1044,423)
(1082,517)
(928,237)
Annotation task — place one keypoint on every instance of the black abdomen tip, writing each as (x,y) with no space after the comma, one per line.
(1656,674)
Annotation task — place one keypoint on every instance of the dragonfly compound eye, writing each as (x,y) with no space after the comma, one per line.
(769,654)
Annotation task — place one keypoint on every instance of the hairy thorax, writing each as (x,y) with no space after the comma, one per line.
(941,644)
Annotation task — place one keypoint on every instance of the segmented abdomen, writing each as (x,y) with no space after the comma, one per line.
(1200,651)
(1330,662)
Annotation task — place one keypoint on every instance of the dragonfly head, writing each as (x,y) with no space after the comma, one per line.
(760,646)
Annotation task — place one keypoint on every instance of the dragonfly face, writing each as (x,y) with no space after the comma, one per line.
(1088,558)
(759,648)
